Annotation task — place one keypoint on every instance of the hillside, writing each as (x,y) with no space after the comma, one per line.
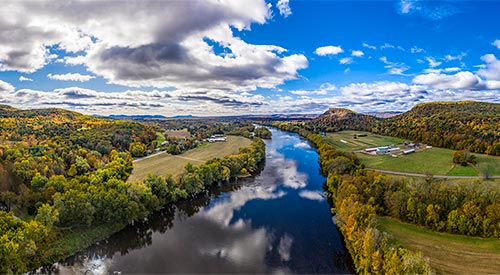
(454,125)
(336,119)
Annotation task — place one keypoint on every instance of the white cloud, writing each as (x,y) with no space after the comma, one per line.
(492,70)
(284,7)
(346,60)
(432,62)
(312,195)
(23,78)
(366,45)
(460,80)
(357,53)
(394,68)
(416,49)
(74,60)
(323,90)
(328,50)
(459,57)
(285,247)
(406,6)
(496,43)
(6,87)
(171,47)
(70,77)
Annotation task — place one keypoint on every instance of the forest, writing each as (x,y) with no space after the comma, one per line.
(453,125)
(65,172)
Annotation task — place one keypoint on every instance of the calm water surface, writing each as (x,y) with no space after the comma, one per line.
(277,222)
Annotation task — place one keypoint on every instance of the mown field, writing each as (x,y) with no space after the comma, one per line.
(435,161)
(163,163)
(447,253)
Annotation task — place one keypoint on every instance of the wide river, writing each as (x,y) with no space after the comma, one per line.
(277,222)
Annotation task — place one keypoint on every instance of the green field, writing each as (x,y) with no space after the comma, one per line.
(434,161)
(360,143)
(447,253)
(163,163)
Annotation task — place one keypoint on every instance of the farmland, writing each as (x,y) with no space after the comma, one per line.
(447,253)
(433,161)
(163,163)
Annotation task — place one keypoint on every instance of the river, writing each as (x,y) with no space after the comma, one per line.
(277,222)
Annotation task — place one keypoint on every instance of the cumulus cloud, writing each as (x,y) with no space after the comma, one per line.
(460,80)
(6,87)
(73,60)
(492,70)
(284,7)
(23,78)
(357,53)
(70,77)
(496,43)
(172,47)
(328,50)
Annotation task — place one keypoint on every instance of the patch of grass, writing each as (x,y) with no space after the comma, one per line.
(448,253)
(488,164)
(184,133)
(366,140)
(71,241)
(162,164)
(435,161)
(460,170)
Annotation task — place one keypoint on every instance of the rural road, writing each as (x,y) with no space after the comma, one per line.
(150,156)
(434,176)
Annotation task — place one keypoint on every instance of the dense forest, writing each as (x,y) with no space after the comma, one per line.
(65,174)
(454,125)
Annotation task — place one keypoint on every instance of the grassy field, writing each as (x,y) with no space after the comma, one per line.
(360,143)
(435,161)
(448,254)
(163,163)
(184,133)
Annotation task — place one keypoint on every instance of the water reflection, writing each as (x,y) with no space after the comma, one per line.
(270,224)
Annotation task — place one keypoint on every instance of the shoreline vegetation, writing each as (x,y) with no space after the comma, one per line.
(194,180)
(101,203)
(361,198)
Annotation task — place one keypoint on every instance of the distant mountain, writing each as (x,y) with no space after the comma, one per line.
(383,114)
(336,119)
(137,117)
(455,125)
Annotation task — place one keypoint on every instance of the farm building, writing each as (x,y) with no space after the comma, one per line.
(383,150)
(408,151)
(394,149)
(217,138)
(368,150)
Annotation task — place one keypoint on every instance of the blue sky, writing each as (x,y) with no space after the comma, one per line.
(247,56)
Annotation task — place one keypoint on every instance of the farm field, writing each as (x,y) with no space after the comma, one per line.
(163,163)
(447,253)
(184,133)
(435,161)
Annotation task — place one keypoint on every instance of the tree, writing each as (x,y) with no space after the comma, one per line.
(137,149)
(47,215)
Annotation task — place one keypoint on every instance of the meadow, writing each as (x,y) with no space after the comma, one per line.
(447,253)
(433,161)
(163,163)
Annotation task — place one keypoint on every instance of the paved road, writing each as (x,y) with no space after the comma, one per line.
(434,176)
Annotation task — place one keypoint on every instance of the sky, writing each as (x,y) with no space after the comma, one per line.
(229,57)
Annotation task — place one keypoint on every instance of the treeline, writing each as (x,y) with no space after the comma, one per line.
(263,132)
(373,252)
(104,197)
(454,125)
